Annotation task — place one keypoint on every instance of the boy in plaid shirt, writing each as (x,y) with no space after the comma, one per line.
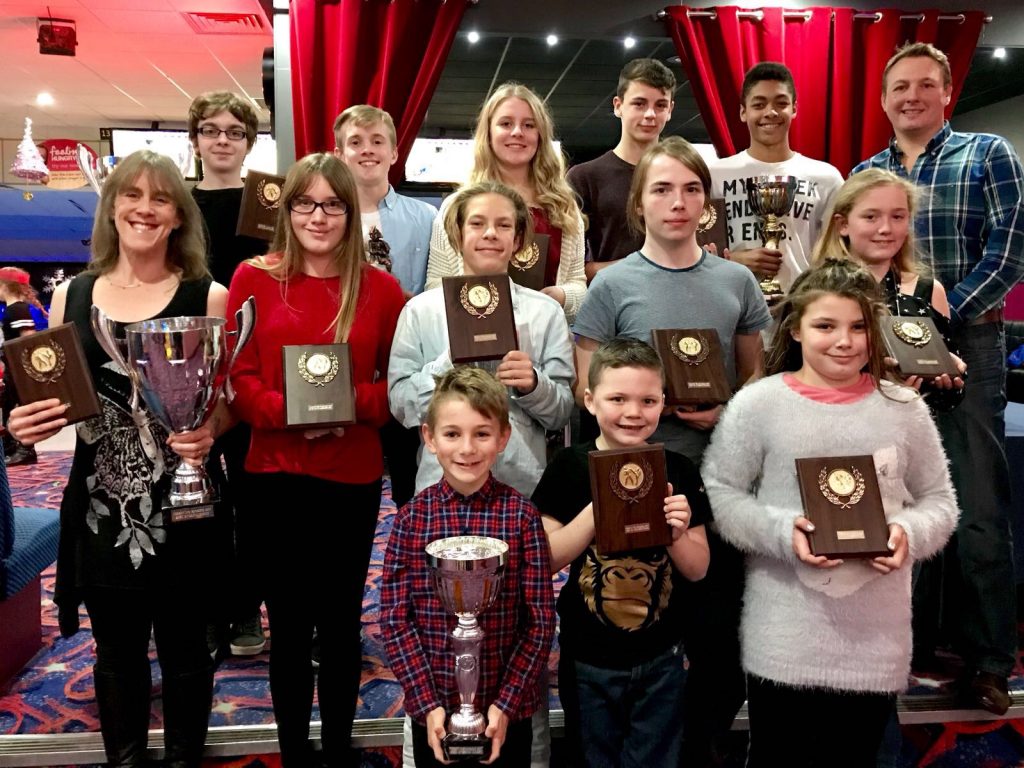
(467,426)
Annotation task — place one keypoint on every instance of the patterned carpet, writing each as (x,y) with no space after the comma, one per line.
(54,692)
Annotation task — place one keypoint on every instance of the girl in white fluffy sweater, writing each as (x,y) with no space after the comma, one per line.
(826,643)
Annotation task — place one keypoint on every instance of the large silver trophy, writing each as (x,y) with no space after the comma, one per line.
(468,571)
(771,197)
(178,366)
(97,169)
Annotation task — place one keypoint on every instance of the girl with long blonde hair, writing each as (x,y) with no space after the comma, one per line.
(514,144)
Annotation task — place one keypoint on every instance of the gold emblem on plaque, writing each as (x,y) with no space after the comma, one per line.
(44,363)
(479,300)
(692,350)
(631,481)
(707,219)
(269,193)
(319,368)
(913,332)
(526,257)
(842,487)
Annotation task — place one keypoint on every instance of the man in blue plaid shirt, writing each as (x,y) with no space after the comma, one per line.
(971,229)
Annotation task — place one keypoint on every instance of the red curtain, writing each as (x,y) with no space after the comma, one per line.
(388,53)
(836,60)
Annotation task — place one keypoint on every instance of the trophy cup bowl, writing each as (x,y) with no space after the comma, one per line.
(95,169)
(771,197)
(178,366)
(468,572)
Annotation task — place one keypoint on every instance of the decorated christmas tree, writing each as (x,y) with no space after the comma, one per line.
(29,163)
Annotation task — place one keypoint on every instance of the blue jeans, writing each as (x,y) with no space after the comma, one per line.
(982,547)
(631,717)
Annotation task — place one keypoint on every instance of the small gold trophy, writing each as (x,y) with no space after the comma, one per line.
(771,197)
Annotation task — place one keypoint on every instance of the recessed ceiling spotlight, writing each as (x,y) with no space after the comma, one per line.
(999,53)
(629,42)
(44,99)
(552,39)
(473,36)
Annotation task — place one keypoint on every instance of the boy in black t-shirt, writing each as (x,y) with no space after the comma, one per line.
(222,127)
(621,661)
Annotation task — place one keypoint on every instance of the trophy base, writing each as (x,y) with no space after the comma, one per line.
(180,513)
(459,747)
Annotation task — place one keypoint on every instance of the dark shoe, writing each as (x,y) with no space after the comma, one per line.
(990,692)
(247,637)
(186,701)
(23,454)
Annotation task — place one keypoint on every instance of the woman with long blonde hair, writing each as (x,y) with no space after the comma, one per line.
(514,144)
(319,489)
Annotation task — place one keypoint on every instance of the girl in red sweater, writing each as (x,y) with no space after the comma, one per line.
(319,489)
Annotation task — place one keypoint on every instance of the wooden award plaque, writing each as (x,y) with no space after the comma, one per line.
(51,363)
(481,325)
(261,198)
(628,486)
(712,226)
(694,366)
(527,265)
(318,389)
(918,347)
(841,497)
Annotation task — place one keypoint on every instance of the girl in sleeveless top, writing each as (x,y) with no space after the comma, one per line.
(137,573)
(872,223)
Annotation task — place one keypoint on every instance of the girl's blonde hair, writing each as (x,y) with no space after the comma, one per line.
(186,246)
(547,168)
(348,258)
(831,243)
(838,276)
(455,216)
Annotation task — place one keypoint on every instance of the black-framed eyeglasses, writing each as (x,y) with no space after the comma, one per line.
(332,207)
(210,131)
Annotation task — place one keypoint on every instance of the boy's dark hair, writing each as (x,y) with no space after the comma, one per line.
(623,352)
(484,393)
(832,275)
(209,104)
(767,70)
(649,72)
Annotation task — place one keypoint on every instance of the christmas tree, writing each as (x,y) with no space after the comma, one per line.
(29,163)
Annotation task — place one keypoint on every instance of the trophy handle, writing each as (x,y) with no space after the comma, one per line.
(85,164)
(245,323)
(103,328)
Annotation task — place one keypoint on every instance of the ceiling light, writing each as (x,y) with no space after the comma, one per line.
(473,37)
(44,99)
(999,53)
(629,42)
(552,39)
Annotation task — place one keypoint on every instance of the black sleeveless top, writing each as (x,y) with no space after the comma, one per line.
(112,530)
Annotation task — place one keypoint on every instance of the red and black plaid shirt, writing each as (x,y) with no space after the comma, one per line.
(518,627)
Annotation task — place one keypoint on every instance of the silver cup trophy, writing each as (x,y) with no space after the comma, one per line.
(178,366)
(97,169)
(771,197)
(468,571)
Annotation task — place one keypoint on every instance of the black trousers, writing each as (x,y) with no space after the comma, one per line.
(515,752)
(812,727)
(316,540)
(401,447)
(122,621)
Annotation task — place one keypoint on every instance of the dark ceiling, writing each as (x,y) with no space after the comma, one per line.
(578,79)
